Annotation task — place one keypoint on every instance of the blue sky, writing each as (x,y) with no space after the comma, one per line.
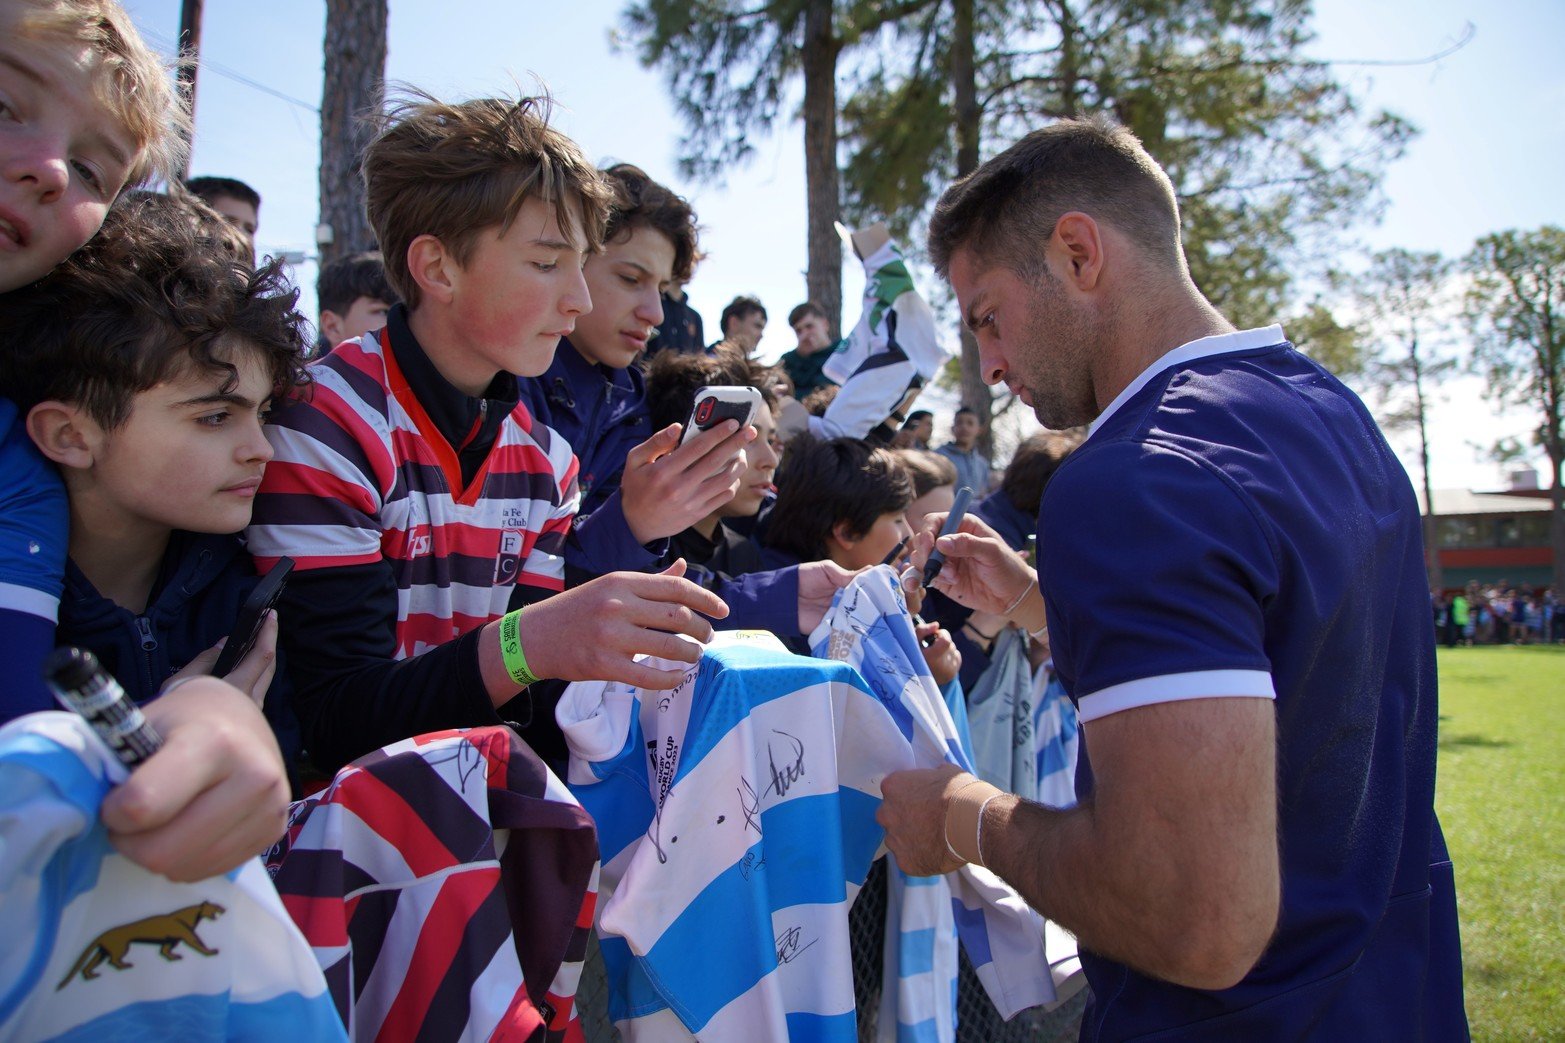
(1491,154)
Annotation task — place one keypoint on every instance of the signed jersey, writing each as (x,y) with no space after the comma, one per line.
(100,949)
(736,816)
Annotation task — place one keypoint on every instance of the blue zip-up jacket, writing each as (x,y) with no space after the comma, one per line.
(202,584)
(602,413)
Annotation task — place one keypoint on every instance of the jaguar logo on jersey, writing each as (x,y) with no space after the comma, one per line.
(165,932)
(509,561)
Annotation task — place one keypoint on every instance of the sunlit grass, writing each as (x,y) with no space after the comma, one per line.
(1501,798)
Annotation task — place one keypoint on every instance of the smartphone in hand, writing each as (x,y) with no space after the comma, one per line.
(718,402)
(251,615)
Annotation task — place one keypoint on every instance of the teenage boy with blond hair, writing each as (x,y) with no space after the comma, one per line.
(90,110)
(416,490)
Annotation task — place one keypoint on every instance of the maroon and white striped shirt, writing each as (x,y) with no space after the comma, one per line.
(361,474)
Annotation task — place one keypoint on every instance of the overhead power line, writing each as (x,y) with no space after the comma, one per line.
(168,47)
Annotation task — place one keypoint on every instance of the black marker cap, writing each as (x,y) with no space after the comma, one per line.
(70,668)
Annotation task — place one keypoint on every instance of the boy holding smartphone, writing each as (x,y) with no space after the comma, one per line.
(152,411)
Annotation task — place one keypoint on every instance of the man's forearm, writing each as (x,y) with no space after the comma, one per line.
(1169,865)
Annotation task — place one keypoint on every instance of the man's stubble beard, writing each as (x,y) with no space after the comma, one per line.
(1060,342)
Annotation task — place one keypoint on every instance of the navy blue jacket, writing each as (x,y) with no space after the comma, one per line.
(602,413)
(1015,527)
(202,584)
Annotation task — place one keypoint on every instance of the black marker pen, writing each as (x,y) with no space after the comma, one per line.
(81,684)
(964,496)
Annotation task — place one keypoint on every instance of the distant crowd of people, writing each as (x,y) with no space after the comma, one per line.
(1498,614)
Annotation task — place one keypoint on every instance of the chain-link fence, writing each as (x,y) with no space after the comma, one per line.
(977,1020)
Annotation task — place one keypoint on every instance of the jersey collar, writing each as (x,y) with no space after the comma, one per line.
(1192,351)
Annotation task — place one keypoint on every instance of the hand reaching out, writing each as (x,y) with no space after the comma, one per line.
(940,654)
(253,674)
(594,632)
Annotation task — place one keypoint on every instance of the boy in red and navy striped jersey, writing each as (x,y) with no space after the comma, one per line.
(423,503)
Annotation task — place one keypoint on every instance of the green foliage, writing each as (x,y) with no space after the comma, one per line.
(1409,311)
(728,64)
(1516,307)
(1269,154)
(1318,332)
(1500,784)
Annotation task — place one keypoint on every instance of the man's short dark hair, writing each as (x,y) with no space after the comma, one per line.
(673,378)
(917,416)
(822,483)
(966,409)
(346,279)
(640,202)
(800,311)
(145,299)
(211,189)
(1005,210)
(740,308)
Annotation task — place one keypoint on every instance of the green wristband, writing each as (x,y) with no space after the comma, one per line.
(511,649)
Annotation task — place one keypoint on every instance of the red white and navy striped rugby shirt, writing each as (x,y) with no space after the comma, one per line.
(361,474)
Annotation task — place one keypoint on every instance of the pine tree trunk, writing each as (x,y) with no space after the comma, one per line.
(355,78)
(1557,518)
(1433,569)
(964,83)
(823,279)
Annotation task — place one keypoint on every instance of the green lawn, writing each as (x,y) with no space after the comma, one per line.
(1501,797)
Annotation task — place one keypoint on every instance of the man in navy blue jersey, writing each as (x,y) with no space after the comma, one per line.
(1231,577)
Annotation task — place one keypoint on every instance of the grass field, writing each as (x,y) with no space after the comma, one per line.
(1501,798)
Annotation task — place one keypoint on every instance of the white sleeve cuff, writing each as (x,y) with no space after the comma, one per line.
(33,602)
(1173,688)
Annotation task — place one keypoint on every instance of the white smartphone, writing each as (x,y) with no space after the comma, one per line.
(716,403)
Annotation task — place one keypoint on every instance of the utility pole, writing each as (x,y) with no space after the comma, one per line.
(189,55)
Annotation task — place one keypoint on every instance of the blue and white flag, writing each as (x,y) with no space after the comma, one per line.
(99,948)
(1056,733)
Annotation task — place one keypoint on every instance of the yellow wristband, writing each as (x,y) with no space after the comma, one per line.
(965,822)
(511,649)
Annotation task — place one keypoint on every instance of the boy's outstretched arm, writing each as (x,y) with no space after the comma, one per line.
(664,488)
(595,631)
(353,695)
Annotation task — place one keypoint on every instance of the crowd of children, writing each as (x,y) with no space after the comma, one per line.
(475,462)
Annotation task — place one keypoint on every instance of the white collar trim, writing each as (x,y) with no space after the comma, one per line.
(1205,347)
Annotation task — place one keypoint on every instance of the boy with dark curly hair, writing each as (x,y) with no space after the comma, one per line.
(151,362)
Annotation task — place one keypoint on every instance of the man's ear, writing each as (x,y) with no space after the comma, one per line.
(331,326)
(842,532)
(1078,242)
(64,433)
(433,268)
